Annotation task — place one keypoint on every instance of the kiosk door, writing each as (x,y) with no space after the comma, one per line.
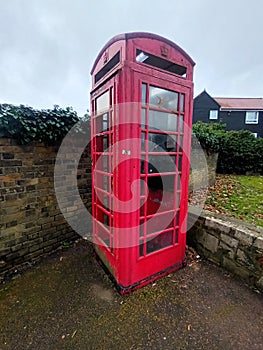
(102,169)
(165,142)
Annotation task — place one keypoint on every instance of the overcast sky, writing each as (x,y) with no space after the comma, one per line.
(48,46)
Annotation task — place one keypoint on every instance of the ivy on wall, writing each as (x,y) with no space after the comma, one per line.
(26,124)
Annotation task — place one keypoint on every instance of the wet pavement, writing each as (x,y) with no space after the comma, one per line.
(68,302)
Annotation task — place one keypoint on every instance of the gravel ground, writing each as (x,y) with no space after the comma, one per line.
(68,302)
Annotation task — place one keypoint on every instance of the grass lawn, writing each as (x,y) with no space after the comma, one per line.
(237,196)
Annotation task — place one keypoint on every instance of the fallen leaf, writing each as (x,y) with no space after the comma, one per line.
(74,333)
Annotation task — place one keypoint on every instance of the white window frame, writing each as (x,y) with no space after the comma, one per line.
(255,134)
(213,114)
(251,117)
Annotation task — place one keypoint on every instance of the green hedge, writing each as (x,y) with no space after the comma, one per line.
(209,135)
(239,151)
(26,124)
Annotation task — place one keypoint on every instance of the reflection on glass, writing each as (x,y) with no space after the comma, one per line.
(105,122)
(143,141)
(141,249)
(160,241)
(142,186)
(103,102)
(179,183)
(182,101)
(168,185)
(162,142)
(141,228)
(105,142)
(180,163)
(98,179)
(106,201)
(144,89)
(176,235)
(103,235)
(161,222)
(143,165)
(178,198)
(163,99)
(181,143)
(106,220)
(141,57)
(177,218)
(111,97)
(161,164)
(102,143)
(171,143)
(181,124)
(162,121)
(106,164)
(157,142)
(111,119)
(143,118)
(106,183)
(102,123)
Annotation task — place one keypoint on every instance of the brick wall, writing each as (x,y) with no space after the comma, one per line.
(235,245)
(31,223)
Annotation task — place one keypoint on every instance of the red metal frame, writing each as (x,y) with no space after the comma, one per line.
(122,239)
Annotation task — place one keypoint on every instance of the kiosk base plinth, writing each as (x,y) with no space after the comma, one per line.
(126,290)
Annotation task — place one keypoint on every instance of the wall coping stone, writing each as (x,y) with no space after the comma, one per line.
(231,243)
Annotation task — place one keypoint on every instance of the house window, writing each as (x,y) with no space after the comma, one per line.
(213,114)
(251,117)
(255,134)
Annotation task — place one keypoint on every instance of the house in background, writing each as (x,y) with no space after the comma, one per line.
(236,113)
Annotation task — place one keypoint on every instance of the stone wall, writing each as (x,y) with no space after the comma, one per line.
(230,243)
(31,223)
(203,169)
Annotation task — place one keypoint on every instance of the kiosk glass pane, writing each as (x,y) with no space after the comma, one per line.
(103,102)
(162,142)
(163,121)
(102,124)
(143,117)
(144,90)
(160,241)
(161,164)
(143,137)
(182,101)
(163,99)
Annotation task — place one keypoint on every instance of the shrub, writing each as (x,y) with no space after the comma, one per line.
(240,153)
(209,135)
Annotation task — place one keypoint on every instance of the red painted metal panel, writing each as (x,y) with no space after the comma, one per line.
(141,131)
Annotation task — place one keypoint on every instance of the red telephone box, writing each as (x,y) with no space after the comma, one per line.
(141,114)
